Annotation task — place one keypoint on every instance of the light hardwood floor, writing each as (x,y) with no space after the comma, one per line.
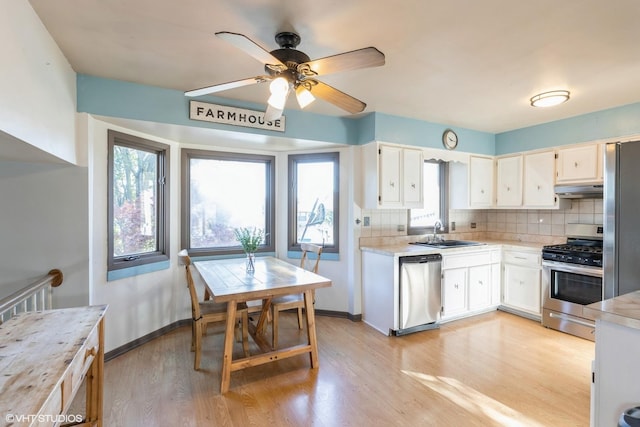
(491,370)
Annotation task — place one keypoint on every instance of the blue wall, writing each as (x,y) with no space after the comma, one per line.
(611,123)
(426,134)
(116,98)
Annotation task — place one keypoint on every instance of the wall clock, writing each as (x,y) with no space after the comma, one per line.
(449,139)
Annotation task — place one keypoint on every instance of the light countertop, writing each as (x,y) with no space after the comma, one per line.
(623,310)
(404,249)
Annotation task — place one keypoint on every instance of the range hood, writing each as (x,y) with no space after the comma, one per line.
(579,191)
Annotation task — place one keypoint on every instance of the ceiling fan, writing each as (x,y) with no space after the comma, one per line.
(290,69)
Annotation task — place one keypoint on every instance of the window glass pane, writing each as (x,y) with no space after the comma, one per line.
(225,194)
(135,178)
(432,210)
(314,207)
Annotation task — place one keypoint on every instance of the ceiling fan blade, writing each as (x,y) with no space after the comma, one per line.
(250,47)
(272,113)
(226,86)
(361,58)
(336,97)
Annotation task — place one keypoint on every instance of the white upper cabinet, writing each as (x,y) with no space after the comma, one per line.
(480,182)
(392,176)
(389,172)
(509,181)
(579,164)
(412,178)
(471,185)
(527,181)
(539,174)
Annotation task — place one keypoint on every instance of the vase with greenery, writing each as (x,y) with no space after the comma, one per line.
(250,239)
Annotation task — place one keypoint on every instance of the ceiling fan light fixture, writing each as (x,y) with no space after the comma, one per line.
(272,114)
(277,100)
(304,96)
(287,68)
(550,99)
(279,86)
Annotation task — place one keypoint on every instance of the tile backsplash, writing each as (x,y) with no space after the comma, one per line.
(527,225)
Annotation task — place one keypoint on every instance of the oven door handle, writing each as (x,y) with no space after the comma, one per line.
(572,268)
(571,319)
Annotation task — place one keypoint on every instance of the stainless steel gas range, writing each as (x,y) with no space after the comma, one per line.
(571,279)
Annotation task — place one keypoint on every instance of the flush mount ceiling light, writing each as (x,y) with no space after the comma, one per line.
(549,99)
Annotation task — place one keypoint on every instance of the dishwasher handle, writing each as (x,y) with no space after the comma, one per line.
(420,259)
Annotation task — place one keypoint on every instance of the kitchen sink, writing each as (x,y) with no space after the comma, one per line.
(448,244)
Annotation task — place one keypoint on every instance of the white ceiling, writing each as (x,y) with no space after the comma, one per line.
(466,63)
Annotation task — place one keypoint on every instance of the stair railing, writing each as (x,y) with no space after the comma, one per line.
(34,297)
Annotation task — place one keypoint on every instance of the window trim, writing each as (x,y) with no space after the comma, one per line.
(444,202)
(270,212)
(293,160)
(161,253)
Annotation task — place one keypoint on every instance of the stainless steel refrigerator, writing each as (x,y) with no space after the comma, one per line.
(621,244)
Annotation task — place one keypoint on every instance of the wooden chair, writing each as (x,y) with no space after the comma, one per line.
(205,312)
(289,302)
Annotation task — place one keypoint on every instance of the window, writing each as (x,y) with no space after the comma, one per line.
(224,191)
(436,200)
(313,200)
(138,200)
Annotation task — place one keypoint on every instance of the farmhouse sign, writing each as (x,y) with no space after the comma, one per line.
(233,116)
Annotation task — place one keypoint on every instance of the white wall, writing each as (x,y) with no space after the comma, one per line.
(145,303)
(37,84)
(44,226)
(43,208)
(338,296)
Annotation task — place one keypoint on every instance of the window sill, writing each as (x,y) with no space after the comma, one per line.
(137,270)
(326,256)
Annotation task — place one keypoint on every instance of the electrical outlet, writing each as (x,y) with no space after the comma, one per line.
(473,225)
(400,227)
(367,221)
(453,226)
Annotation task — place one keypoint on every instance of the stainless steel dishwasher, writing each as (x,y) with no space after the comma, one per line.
(420,293)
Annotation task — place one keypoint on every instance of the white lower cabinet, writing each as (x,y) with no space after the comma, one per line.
(480,284)
(454,292)
(521,282)
(469,282)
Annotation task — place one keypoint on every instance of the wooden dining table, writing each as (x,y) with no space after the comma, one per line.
(228,281)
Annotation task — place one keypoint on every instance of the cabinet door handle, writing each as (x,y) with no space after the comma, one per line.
(480,282)
(392,184)
(575,164)
(481,191)
(413,186)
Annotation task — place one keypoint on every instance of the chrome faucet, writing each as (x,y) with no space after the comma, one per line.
(436,226)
